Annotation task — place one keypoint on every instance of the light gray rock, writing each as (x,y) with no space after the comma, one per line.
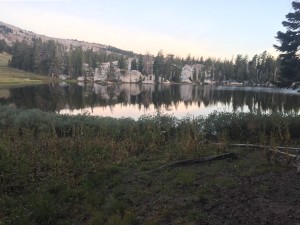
(186,74)
(132,76)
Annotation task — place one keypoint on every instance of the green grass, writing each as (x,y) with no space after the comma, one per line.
(14,77)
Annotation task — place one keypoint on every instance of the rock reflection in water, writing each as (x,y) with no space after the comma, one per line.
(134,100)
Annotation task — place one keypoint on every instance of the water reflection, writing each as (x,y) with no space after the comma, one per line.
(134,100)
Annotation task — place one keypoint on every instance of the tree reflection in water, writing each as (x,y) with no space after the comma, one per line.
(146,99)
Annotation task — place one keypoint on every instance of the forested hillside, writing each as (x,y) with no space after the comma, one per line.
(53,56)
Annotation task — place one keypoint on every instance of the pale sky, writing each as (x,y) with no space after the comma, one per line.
(209,28)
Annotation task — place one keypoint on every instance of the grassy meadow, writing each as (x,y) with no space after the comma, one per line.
(14,77)
(59,169)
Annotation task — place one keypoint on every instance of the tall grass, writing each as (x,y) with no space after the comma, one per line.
(253,127)
(155,130)
(58,169)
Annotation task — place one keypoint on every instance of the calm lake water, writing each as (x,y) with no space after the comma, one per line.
(132,100)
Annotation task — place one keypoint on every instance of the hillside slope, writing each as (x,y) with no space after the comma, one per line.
(12,34)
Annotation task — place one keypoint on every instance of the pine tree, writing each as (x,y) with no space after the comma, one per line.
(147,64)
(76,62)
(140,63)
(3,45)
(240,68)
(122,63)
(133,64)
(253,69)
(289,44)
(158,66)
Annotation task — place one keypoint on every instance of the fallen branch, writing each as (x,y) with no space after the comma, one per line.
(191,161)
(283,153)
(274,150)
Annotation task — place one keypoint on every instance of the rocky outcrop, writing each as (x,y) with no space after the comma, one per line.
(149,79)
(132,76)
(186,74)
(81,79)
(109,72)
(63,77)
(102,72)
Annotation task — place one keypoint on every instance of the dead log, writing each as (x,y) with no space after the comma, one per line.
(191,161)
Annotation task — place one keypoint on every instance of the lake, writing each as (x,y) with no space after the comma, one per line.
(135,100)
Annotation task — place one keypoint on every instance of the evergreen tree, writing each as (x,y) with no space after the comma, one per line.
(111,72)
(3,45)
(169,66)
(140,64)
(36,49)
(147,64)
(188,59)
(133,64)
(76,62)
(68,64)
(21,56)
(194,74)
(228,69)
(253,69)
(122,63)
(27,59)
(240,68)
(289,45)
(158,66)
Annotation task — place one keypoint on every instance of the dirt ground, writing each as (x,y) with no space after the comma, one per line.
(276,202)
(245,191)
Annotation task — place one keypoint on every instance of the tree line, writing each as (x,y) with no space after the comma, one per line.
(51,58)
(261,68)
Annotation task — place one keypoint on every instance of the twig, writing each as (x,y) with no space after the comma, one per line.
(191,161)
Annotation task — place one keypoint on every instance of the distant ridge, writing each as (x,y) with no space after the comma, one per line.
(12,34)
